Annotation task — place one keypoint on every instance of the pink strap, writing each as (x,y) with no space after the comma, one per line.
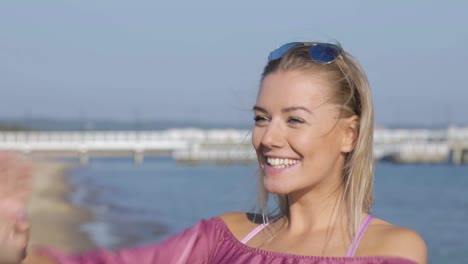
(352,248)
(253,233)
(354,245)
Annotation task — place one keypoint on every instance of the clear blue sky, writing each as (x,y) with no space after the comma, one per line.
(201,60)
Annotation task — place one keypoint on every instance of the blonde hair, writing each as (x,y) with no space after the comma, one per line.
(352,92)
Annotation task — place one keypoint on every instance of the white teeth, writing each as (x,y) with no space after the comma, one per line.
(280,163)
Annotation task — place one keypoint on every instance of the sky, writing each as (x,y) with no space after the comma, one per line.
(202,60)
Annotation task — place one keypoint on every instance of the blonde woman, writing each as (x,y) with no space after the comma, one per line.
(313,137)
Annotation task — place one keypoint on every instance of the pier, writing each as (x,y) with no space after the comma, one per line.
(458,144)
(224,145)
(181,144)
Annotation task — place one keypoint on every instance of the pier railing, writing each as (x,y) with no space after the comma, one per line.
(225,145)
(176,143)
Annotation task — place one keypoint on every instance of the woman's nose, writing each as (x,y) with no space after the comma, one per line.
(273,136)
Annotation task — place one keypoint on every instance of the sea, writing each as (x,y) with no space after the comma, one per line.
(136,205)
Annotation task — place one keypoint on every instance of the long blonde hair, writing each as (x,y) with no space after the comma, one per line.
(352,92)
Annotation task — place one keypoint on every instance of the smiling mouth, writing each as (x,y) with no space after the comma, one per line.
(278,163)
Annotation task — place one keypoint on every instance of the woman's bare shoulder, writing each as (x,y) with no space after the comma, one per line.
(386,239)
(240,223)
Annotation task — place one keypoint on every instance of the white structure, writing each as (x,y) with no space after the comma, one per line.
(111,143)
(225,145)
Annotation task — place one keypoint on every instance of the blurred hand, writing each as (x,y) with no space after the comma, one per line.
(14,237)
(15,179)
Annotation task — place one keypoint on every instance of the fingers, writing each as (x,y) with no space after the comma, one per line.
(15,175)
(15,182)
(20,235)
(20,239)
(22,226)
(14,238)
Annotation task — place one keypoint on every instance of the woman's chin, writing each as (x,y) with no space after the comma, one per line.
(276,187)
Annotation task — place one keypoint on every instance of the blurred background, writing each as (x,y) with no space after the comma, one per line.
(137,114)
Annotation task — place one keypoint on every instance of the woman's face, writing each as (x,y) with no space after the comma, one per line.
(299,139)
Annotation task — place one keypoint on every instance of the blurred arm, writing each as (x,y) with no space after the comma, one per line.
(196,244)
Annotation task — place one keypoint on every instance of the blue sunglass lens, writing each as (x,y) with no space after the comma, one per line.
(279,52)
(324,53)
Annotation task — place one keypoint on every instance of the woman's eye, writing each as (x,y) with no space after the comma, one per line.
(295,120)
(260,119)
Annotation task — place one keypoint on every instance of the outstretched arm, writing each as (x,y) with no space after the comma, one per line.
(195,245)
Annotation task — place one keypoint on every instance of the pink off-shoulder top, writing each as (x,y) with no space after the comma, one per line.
(210,241)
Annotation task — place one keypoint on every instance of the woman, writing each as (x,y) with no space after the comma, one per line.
(313,137)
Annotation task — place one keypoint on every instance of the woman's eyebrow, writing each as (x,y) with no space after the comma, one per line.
(259,109)
(284,110)
(296,108)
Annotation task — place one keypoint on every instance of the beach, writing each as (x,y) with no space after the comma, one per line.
(55,222)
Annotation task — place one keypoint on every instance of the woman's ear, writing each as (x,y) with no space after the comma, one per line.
(350,133)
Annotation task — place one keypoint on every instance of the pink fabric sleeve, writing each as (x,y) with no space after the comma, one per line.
(197,244)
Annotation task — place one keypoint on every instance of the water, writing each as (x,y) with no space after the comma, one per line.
(139,205)
(136,205)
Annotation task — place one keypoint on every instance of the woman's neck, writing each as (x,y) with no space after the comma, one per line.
(317,209)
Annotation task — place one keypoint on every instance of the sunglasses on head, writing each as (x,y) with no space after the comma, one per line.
(319,52)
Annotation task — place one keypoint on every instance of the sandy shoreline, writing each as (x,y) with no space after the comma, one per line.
(55,222)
